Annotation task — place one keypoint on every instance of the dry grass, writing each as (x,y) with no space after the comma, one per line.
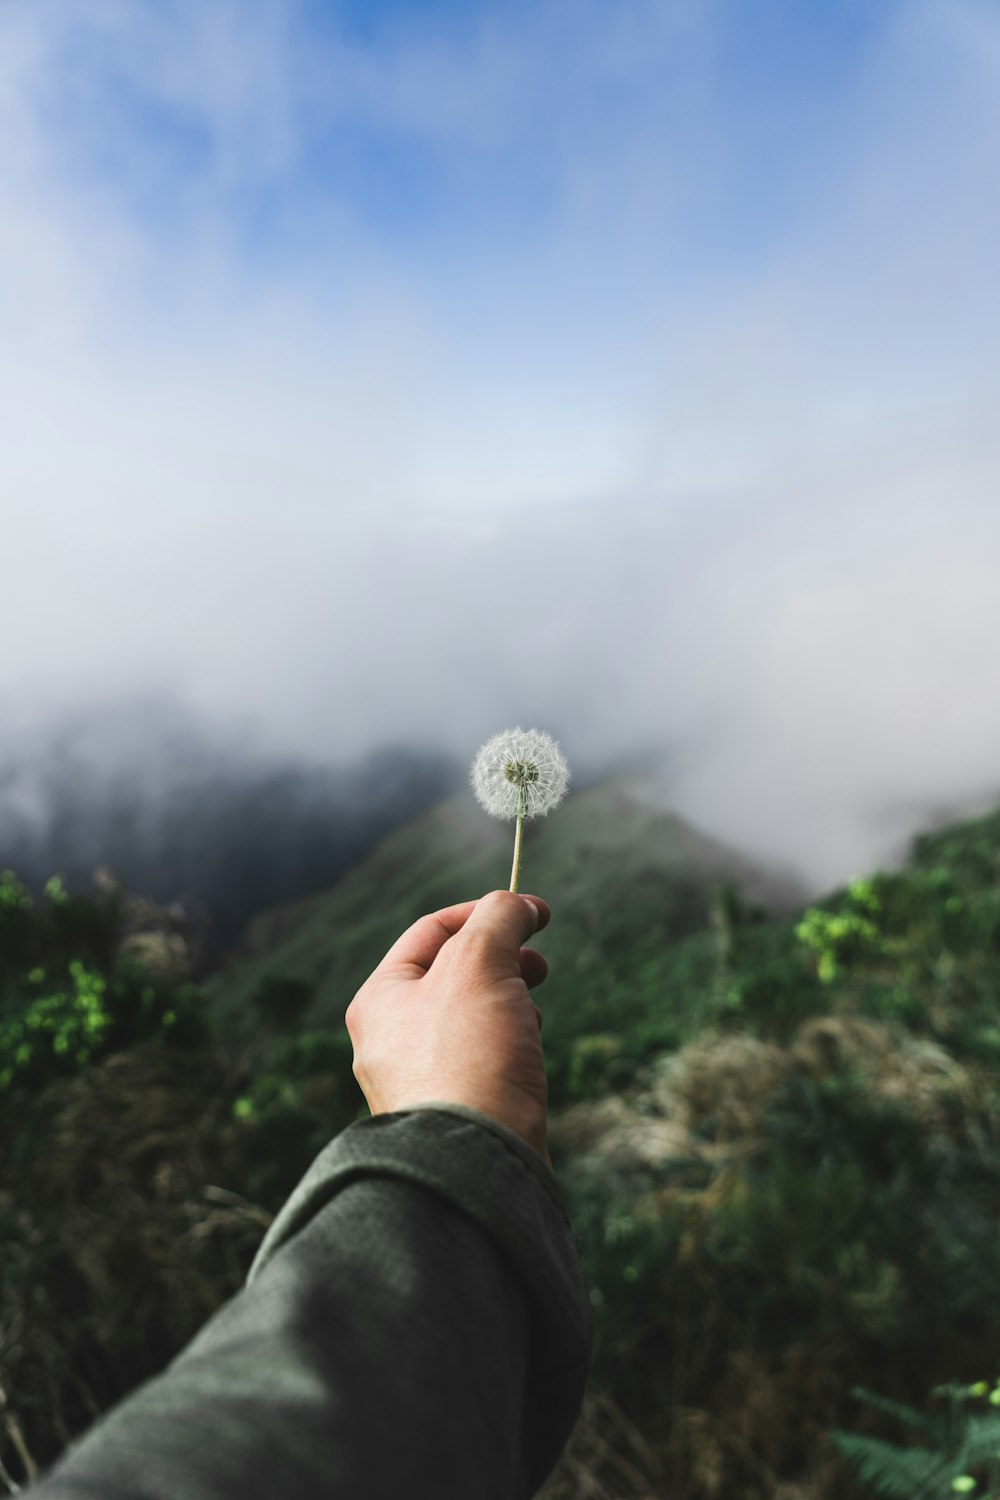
(126,1242)
(136,1233)
(897,1067)
(607,1457)
(727,1081)
(733,1415)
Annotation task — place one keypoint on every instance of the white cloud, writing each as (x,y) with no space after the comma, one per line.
(360,485)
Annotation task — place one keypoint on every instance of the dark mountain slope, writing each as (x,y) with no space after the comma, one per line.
(624,881)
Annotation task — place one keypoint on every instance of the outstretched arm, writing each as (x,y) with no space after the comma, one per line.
(414,1321)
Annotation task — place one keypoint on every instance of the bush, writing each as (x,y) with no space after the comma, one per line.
(69,996)
(293,1107)
(282,1000)
(839,938)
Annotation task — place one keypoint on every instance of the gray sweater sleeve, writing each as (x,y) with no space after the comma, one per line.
(414,1323)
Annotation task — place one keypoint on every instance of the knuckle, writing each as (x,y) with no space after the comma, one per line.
(499,899)
(497,907)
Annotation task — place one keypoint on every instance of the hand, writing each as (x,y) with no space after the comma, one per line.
(447,1017)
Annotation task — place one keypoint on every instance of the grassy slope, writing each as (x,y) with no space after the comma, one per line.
(624,882)
(843,1229)
(784,1184)
(802,1198)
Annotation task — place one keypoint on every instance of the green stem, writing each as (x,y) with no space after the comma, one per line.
(515,873)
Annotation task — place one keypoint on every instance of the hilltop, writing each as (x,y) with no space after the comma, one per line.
(604,847)
(626,882)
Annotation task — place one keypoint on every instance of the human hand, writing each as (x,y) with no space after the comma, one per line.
(446,1017)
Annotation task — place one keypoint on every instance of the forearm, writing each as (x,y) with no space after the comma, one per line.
(413,1324)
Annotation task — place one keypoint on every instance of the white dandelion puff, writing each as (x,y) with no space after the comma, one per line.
(522,774)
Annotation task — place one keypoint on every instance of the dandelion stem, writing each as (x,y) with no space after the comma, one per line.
(514,873)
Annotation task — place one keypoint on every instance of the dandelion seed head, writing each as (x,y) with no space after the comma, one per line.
(520,770)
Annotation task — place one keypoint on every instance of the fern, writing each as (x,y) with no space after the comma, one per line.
(898,1473)
(932,1428)
(982,1439)
(956,1442)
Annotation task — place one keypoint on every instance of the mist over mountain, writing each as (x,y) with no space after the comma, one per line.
(177,815)
(624,374)
(226,822)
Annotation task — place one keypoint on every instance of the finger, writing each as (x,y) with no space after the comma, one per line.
(534,968)
(501,922)
(542,907)
(421,943)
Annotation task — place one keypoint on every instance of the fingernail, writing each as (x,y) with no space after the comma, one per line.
(533,909)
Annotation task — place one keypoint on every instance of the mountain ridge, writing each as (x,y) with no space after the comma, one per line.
(603,837)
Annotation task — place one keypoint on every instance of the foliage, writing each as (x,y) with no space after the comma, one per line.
(838,938)
(69,996)
(628,1243)
(282,1000)
(779,1137)
(632,946)
(301,1094)
(596,1065)
(956,1441)
(855,1215)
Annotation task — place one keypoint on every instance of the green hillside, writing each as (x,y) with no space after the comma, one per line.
(625,882)
(777,1128)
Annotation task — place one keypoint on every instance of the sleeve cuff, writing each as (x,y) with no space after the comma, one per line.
(489,1173)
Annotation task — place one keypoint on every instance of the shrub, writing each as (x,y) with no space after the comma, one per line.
(282,1000)
(839,938)
(70,996)
(953,1443)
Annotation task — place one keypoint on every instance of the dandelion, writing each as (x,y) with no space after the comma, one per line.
(519,773)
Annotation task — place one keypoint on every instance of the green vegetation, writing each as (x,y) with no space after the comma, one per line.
(632,891)
(777,1127)
(70,996)
(958,1439)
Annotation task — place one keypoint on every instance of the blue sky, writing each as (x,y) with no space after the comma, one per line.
(669,333)
(456,129)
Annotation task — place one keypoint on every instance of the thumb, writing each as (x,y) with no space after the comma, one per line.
(500,923)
